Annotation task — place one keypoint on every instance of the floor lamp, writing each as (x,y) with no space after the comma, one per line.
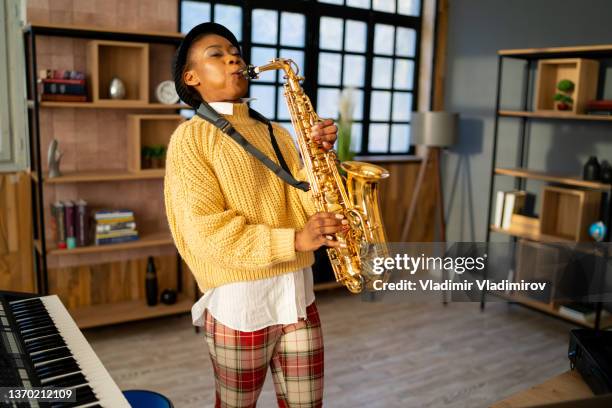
(434,131)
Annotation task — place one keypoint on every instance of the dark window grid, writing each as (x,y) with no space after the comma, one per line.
(370,17)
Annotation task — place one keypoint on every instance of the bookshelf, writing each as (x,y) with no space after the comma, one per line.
(564,191)
(94,139)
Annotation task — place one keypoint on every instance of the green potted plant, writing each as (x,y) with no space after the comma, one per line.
(145,155)
(345,123)
(563,98)
(158,153)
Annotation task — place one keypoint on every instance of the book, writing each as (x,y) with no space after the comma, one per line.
(116,226)
(113,221)
(499,208)
(514,201)
(583,312)
(82,223)
(70,224)
(63,98)
(108,214)
(62,87)
(58,224)
(116,240)
(124,233)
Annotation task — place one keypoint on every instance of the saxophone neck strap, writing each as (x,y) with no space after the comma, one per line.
(206,112)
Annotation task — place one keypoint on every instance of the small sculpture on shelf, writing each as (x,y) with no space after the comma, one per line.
(116,89)
(563,97)
(54,155)
(591,171)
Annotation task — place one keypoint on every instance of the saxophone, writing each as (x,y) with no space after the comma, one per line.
(358,202)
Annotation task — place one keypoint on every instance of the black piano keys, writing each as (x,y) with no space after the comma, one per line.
(53,362)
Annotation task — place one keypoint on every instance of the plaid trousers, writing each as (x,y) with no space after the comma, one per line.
(240,360)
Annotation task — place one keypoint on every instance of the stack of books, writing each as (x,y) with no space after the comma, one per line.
(509,203)
(62,86)
(114,226)
(70,223)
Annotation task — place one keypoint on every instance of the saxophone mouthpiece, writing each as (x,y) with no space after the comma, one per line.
(250,72)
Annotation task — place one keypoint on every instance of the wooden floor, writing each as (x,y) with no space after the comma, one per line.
(376,354)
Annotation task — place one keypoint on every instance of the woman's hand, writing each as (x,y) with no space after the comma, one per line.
(318,230)
(325,132)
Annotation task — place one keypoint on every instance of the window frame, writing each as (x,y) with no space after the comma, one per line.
(313,10)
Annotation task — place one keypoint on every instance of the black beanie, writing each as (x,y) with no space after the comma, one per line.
(186,93)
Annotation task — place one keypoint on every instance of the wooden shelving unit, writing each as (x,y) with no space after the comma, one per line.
(131,105)
(99,176)
(107,53)
(554,115)
(128,311)
(144,241)
(553,178)
(551,309)
(528,111)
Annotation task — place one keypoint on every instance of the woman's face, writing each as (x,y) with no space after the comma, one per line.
(213,69)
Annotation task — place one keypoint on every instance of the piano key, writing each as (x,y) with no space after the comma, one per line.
(65,365)
(45,343)
(51,355)
(65,381)
(38,332)
(104,387)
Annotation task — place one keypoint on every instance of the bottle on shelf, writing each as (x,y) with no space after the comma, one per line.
(151,282)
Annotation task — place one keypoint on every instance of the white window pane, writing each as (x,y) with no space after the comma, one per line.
(296,56)
(400,138)
(404,74)
(402,105)
(358,3)
(331,1)
(329,68)
(380,107)
(193,13)
(283,111)
(292,29)
(327,103)
(383,39)
(264,26)
(330,33)
(384,5)
(230,17)
(381,73)
(263,55)
(405,42)
(356,132)
(409,7)
(265,95)
(378,139)
(354,70)
(358,104)
(356,33)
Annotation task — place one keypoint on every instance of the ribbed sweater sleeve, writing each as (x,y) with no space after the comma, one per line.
(221,236)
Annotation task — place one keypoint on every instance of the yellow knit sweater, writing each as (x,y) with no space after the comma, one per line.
(231,218)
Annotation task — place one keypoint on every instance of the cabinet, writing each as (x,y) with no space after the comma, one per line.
(571,203)
(103,284)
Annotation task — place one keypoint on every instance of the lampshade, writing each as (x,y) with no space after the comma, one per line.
(434,128)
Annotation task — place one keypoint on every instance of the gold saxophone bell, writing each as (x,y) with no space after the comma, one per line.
(358,201)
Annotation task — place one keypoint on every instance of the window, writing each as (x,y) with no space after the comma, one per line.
(369,46)
(13,114)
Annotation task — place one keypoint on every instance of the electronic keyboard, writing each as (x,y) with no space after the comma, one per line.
(41,346)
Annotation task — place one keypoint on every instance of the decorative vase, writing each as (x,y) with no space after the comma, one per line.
(116,89)
(563,106)
(591,169)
